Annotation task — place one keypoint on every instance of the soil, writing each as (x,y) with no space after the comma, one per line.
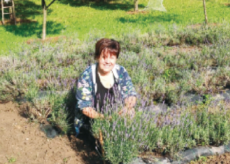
(137,12)
(18,20)
(22,142)
(48,39)
(198,26)
(182,49)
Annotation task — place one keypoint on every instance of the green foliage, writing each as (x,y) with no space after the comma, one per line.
(166,132)
(156,72)
(11,159)
(74,19)
(45,75)
(59,111)
(119,134)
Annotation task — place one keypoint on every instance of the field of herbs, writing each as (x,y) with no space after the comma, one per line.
(43,76)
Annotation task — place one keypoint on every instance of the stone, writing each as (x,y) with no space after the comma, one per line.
(226,95)
(218,150)
(192,154)
(159,108)
(227,148)
(162,161)
(192,98)
(49,131)
(137,161)
(218,97)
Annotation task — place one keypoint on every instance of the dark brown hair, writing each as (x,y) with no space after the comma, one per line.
(111,45)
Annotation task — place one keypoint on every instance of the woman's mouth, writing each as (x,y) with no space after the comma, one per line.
(106,66)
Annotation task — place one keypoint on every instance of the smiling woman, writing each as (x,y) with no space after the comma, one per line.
(103,84)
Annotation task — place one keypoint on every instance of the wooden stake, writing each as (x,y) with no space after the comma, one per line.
(102,144)
(44,20)
(135,5)
(2,5)
(13,12)
(205,13)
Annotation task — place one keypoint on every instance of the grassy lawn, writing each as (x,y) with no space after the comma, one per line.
(69,18)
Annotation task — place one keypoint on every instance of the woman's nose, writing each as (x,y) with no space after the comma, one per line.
(107,60)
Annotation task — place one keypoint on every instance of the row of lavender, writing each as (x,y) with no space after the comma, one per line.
(167,131)
(158,72)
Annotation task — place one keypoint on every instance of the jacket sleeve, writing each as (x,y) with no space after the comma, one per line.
(127,88)
(84,92)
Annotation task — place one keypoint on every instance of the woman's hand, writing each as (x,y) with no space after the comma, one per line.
(127,112)
(91,113)
(123,111)
(130,102)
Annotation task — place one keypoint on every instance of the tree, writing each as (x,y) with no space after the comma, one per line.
(45,8)
(205,12)
(135,5)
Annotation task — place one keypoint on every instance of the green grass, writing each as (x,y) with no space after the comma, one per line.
(70,18)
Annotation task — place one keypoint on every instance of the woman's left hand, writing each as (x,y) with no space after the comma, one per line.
(130,101)
(127,112)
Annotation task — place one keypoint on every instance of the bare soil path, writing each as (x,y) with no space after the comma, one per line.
(22,142)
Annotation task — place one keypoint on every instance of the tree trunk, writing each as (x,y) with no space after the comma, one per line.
(44,20)
(14,15)
(11,15)
(135,5)
(205,12)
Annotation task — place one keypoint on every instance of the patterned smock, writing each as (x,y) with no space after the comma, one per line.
(87,89)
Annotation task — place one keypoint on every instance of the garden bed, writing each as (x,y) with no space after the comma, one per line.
(172,79)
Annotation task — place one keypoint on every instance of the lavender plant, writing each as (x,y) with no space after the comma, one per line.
(169,131)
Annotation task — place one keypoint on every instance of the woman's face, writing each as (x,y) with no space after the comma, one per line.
(106,62)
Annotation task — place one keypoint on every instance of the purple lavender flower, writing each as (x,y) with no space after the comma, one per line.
(114,125)
(143,103)
(133,137)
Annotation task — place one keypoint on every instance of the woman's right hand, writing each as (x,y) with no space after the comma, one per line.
(91,113)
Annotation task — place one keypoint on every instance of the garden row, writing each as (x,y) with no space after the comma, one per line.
(44,74)
(166,132)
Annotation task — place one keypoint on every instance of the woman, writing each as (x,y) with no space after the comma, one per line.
(96,84)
